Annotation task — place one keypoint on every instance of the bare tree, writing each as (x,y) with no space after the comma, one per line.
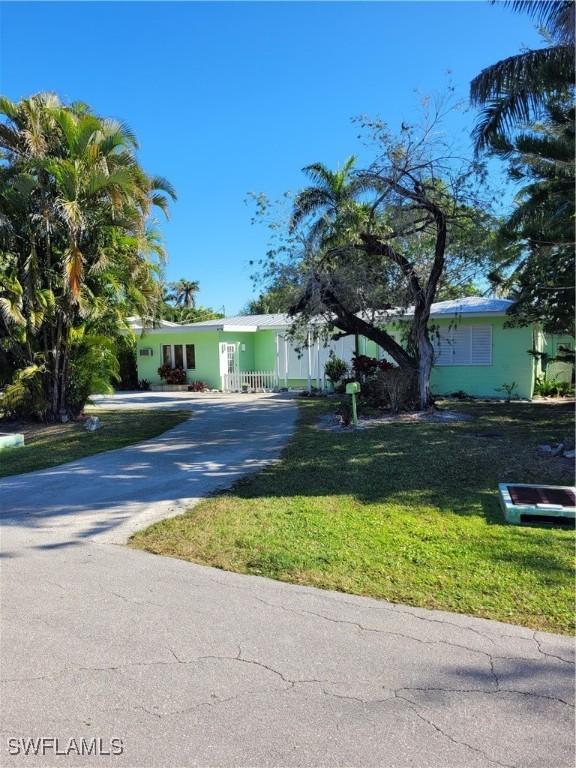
(376,243)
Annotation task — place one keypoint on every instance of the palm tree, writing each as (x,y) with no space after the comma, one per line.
(515,90)
(184,292)
(542,160)
(76,205)
(333,195)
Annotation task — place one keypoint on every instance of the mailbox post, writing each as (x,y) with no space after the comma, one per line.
(352,389)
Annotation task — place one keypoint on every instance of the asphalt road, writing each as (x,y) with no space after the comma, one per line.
(190,666)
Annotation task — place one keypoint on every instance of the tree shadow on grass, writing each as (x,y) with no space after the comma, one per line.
(434,464)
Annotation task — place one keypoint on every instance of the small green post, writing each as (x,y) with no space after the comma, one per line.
(352,389)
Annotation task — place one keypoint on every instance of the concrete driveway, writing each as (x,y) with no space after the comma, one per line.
(190,666)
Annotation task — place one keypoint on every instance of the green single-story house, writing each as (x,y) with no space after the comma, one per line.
(475,352)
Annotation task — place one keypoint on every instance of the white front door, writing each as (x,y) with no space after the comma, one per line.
(231,358)
(229,366)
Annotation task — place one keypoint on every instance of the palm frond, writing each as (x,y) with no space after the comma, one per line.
(74,269)
(542,71)
(320,174)
(160,184)
(556,15)
(518,88)
(308,202)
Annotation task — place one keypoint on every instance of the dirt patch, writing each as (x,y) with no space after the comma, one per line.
(331,422)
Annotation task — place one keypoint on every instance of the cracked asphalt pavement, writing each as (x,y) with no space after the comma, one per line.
(191,666)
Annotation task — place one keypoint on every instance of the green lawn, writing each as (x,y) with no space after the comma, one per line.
(406,511)
(49,445)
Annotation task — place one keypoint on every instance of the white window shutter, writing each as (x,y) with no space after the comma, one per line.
(481,345)
(443,347)
(461,346)
(470,345)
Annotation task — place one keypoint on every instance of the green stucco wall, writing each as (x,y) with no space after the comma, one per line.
(510,359)
(207,360)
(207,353)
(265,351)
(555,369)
(510,363)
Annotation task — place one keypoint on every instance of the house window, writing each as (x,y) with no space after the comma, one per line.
(179,355)
(463,346)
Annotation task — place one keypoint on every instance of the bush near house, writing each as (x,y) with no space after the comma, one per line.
(362,365)
(198,386)
(335,369)
(551,387)
(172,375)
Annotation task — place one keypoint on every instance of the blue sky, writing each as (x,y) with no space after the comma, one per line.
(232,98)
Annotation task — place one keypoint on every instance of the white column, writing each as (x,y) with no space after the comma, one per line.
(309,363)
(318,374)
(277,368)
(285,362)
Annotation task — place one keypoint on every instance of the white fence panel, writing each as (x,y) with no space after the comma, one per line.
(260,381)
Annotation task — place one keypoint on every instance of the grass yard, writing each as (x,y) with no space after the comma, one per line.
(47,445)
(407,512)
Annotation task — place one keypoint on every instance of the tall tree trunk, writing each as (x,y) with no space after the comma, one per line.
(422,295)
(425,359)
(55,373)
(62,408)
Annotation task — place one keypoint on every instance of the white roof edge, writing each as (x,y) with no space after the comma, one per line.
(182,329)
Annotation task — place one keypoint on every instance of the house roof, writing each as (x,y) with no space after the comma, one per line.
(250,322)
(135,323)
(471,306)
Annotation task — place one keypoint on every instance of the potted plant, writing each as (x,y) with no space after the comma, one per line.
(335,369)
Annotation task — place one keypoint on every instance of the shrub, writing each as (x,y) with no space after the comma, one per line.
(335,368)
(128,369)
(144,385)
(92,368)
(24,397)
(460,395)
(552,387)
(508,389)
(364,366)
(398,388)
(198,386)
(172,375)
(389,387)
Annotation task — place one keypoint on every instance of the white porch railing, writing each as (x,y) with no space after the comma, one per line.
(259,381)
